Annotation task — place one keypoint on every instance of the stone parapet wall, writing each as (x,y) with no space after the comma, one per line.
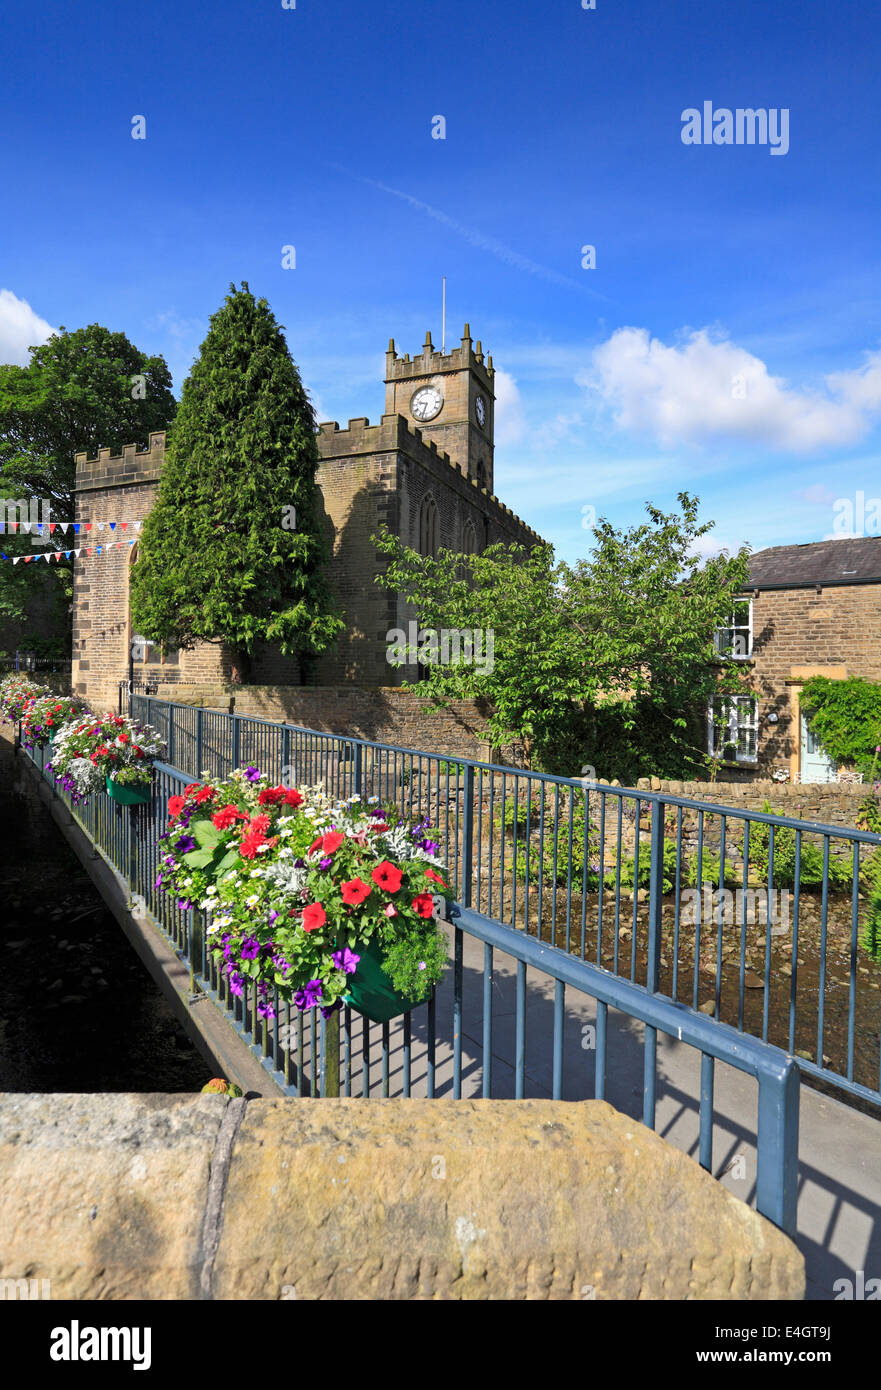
(832,803)
(382,715)
(199,1197)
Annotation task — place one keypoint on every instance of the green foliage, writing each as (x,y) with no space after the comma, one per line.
(74,395)
(869,814)
(233,550)
(846,717)
(608,662)
(871,938)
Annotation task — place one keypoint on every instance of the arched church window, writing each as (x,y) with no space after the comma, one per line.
(482,475)
(469,539)
(428,527)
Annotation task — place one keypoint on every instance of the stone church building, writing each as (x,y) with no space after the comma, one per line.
(426,469)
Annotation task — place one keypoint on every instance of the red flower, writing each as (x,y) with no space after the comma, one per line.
(270,796)
(328,844)
(314,916)
(429,873)
(175,806)
(377,829)
(123,738)
(387,876)
(258,825)
(423,903)
(293,798)
(251,843)
(355,891)
(227,817)
(204,794)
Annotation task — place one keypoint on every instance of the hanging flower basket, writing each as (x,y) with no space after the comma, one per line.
(128,795)
(371,991)
(311,901)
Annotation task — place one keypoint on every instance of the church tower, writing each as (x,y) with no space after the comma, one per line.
(450,398)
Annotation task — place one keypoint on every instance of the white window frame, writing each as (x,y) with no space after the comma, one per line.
(727,636)
(742,716)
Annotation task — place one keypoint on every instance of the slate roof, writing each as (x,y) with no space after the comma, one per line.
(845,561)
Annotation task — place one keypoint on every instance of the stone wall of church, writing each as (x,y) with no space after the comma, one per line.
(368,475)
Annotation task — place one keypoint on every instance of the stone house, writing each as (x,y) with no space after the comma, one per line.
(807,610)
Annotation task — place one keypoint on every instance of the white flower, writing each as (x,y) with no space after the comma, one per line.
(252,901)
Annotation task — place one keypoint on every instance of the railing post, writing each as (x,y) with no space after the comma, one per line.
(236,741)
(656,898)
(359,769)
(777,1146)
(468,835)
(199,717)
(171,735)
(286,769)
(330,1056)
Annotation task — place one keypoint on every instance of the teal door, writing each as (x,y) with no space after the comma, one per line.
(816,765)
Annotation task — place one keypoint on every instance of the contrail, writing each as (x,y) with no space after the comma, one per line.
(479,239)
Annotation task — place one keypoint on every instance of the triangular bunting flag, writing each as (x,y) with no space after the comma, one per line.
(123,526)
(64,525)
(112,525)
(87,525)
(100,525)
(15,559)
(76,526)
(52,525)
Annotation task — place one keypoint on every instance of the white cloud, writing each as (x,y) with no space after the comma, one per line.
(20,329)
(510,421)
(703,388)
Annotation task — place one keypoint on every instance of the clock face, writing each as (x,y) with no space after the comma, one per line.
(426,403)
(480,411)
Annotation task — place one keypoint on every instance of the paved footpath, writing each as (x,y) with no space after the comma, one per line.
(839,1209)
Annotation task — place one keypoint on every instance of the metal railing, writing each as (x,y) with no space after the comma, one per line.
(753,919)
(427,1050)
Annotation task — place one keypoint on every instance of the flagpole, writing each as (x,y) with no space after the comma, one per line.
(444,318)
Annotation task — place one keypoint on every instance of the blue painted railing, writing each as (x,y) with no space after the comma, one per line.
(796,976)
(305,1056)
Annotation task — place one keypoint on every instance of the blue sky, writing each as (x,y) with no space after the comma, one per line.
(728,341)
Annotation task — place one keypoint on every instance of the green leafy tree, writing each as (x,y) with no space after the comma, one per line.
(233,550)
(610,662)
(81,391)
(846,718)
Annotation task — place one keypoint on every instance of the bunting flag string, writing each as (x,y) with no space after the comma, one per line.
(36,528)
(50,555)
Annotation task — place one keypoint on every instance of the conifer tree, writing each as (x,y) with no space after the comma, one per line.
(232,551)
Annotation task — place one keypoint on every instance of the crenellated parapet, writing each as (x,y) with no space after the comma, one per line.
(132,466)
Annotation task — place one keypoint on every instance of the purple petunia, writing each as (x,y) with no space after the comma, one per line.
(252,774)
(185,844)
(235,983)
(307,998)
(345,960)
(331,1009)
(250,948)
(326,862)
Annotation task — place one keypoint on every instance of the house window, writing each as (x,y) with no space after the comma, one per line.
(733,728)
(735,640)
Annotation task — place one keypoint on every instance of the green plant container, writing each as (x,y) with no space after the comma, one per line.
(128,796)
(371,991)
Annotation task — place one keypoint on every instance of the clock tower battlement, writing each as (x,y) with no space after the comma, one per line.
(450,398)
